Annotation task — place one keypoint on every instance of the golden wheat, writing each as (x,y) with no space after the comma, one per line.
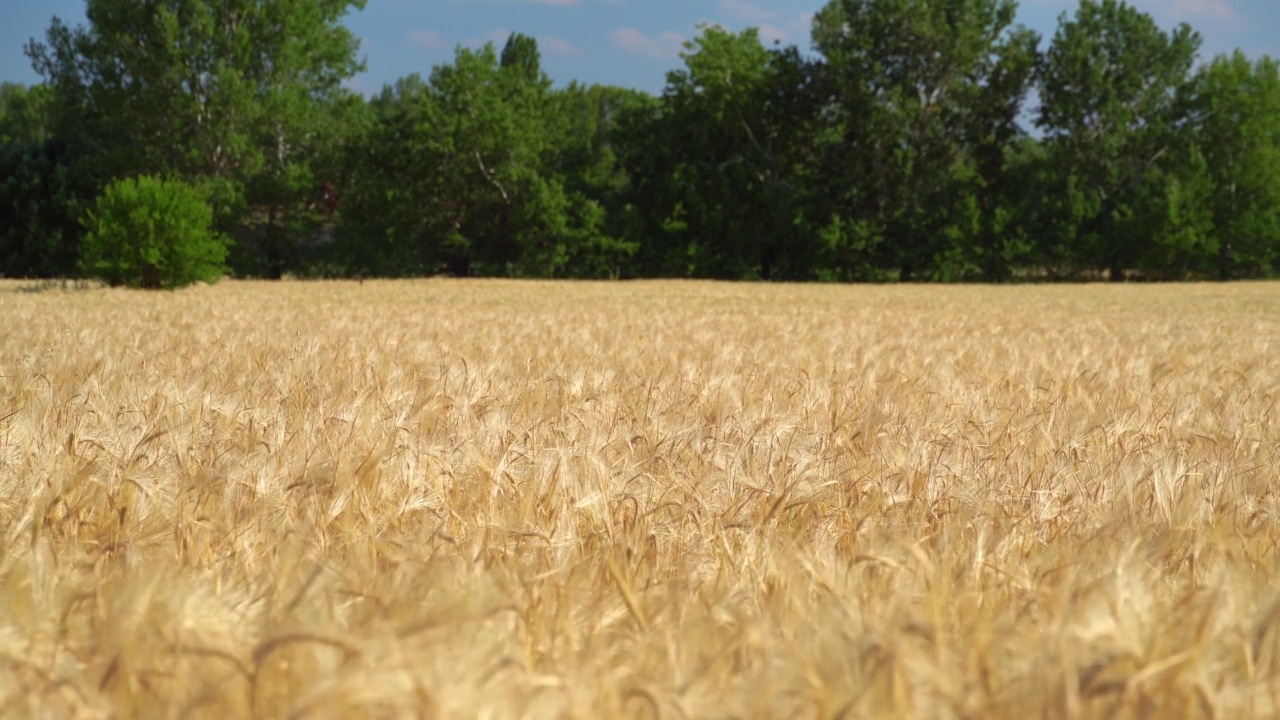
(550,500)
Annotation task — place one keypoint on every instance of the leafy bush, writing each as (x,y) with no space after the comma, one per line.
(152,233)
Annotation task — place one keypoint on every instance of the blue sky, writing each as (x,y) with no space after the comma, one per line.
(624,42)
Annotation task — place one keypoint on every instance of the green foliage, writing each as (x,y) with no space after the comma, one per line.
(898,149)
(41,197)
(226,90)
(720,163)
(41,190)
(1108,85)
(925,100)
(586,158)
(1235,110)
(494,199)
(152,233)
(24,114)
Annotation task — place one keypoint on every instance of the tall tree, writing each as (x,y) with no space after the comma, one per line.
(41,191)
(731,130)
(383,222)
(925,96)
(207,90)
(994,142)
(1108,85)
(462,175)
(1235,105)
(24,114)
(588,142)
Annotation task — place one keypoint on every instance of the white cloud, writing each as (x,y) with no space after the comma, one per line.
(554,3)
(664,45)
(770,34)
(429,39)
(359,85)
(774,25)
(1177,10)
(801,25)
(747,12)
(548,44)
(1192,9)
(497,36)
(552,45)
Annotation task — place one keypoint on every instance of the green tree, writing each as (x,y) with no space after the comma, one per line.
(924,100)
(457,173)
(41,192)
(205,90)
(1173,215)
(152,233)
(1108,86)
(995,142)
(41,198)
(587,159)
(723,162)
(24,114)
(1235,109)
(287,215)
(383,224)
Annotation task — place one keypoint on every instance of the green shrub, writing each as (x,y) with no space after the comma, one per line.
(152,233)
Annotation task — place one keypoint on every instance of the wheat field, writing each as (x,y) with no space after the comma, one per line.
(499,499)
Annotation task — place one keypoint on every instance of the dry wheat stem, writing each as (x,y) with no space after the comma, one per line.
(661,499)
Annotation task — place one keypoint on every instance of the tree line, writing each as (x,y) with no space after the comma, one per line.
(914,140)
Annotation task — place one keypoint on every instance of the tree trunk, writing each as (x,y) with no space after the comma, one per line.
(150,279)
(459,266)
(1116,272)
(274,253)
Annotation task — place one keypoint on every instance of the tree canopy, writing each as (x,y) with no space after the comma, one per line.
(912,140)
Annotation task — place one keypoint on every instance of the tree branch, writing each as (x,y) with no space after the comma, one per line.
(489,175)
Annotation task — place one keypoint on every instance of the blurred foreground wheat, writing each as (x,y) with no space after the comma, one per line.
(538,500)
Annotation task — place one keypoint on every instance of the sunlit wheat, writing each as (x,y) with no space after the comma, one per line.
(541,500)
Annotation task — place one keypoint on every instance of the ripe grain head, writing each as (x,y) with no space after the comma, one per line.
(659,499)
